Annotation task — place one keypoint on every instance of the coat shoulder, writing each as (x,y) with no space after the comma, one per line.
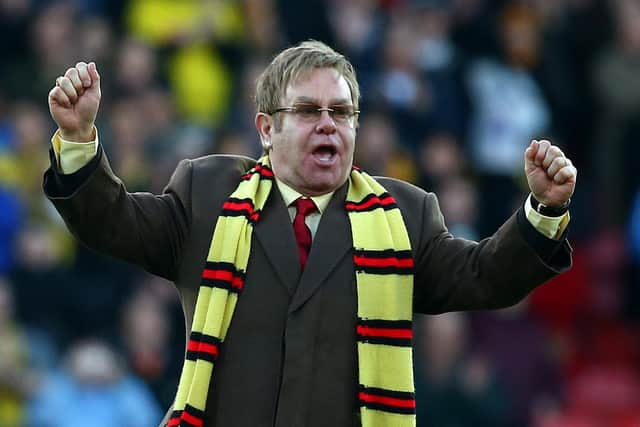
(419,208)
(222,164)
(403,191)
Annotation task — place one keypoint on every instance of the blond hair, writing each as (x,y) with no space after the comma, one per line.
(293,63)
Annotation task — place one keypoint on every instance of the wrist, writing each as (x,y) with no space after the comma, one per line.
(83,135)
(547,210)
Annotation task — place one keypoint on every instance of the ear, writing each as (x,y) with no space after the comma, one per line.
(264,125)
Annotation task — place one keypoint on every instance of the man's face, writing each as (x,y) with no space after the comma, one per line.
(314,156)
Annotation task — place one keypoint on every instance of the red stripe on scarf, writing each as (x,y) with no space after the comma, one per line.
(361,206)
(368,331)
(199,346)
(241,206)
(264,171)
(389,401)
(365,261)
(238,206)
(259,169)
(224,275)
(198,422)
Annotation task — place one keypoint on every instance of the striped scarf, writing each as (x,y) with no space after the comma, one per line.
(384,280)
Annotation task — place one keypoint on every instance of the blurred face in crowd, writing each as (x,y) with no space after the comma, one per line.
(312,152)
(519,31)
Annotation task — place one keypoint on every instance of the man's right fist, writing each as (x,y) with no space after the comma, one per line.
(74,101)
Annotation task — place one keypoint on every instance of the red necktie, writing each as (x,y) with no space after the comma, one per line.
(303,235)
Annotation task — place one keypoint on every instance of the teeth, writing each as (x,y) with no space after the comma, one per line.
(324,156)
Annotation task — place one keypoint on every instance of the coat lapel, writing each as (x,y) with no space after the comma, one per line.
(275,234)
(330,244)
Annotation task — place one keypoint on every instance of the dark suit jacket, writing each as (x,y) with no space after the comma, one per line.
(289,358)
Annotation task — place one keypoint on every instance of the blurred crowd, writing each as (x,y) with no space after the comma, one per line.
(453,92)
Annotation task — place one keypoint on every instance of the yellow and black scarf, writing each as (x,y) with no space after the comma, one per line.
(384,280)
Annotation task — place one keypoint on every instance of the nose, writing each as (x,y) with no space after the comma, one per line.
(326,124)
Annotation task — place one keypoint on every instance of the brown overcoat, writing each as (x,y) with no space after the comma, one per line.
(290,356)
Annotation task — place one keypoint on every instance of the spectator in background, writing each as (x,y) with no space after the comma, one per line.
(129,131)
(201,41)
(379,151)
(97,40)
(244,106)
(19,150)
(557,65)
(52,41)
(135,68)
(23,356)
(617,86)
(459,204)
(93,389)
(262,28)
(515,343)
(359,27)
(376,145)
(146,332)
(440,158)
(21,204)
(455,388)
(15,18)
(440,64)
(400,89)
(444,170)
(234,143)
(507,108)
(164,129)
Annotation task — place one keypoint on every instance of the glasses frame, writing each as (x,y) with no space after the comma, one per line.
(295,110)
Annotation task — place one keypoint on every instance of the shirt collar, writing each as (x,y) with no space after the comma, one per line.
(289,195)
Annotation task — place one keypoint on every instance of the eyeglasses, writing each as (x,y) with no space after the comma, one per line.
(311,113)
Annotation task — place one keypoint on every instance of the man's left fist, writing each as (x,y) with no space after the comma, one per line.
(551,176)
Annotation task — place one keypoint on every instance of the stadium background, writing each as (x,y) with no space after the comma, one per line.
(453,91)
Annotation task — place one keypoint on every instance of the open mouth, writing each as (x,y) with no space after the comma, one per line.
(325,154)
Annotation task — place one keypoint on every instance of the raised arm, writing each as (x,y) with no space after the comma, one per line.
(141,228)
(457,274)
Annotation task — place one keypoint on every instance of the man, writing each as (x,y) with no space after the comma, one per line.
(306,290)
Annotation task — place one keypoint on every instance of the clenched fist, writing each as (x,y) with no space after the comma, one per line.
(74,102)
(551,176)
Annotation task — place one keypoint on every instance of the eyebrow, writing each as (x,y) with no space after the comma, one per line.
(310,100)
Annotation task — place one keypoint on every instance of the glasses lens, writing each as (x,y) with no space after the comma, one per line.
(342,113)
(308,112)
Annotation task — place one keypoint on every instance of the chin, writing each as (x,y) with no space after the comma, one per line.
(323,186)
(317,189)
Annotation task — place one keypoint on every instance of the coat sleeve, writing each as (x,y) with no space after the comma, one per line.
(456,274)
(141,228)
